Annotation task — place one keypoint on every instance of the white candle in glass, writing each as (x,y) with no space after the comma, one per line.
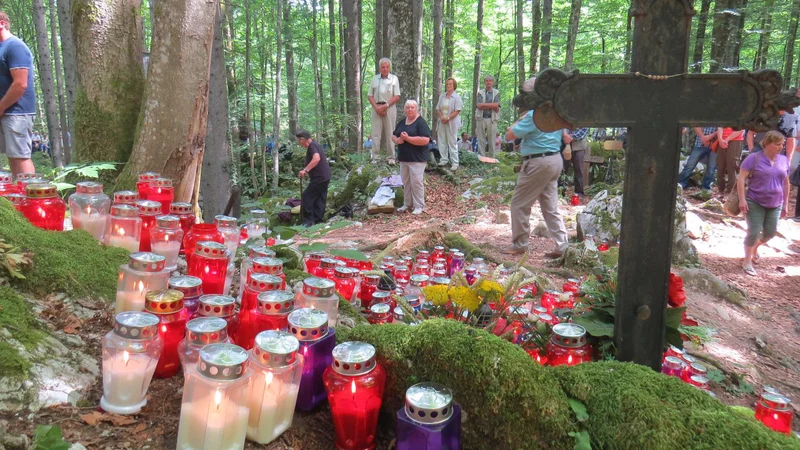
(131,299)
(213,423)
(91,221)
(119,239)
(169,250)
(272,403)
(125,380)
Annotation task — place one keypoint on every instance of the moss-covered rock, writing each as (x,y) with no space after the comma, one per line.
(72,262)
(16,317)
(510,402)
(290,256)
(293,276)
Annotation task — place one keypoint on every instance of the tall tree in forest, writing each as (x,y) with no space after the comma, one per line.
(762,53)
(700,37)
(334,72)
(733,45)
(108,95)
(66,146)
(68,55)
(319,100)
(216,180)
(476,70)
(547,26)
(352,48)
(437,56)
(171,135)
(340,24)
(449,22)
(248,87)
(520,42)
(379,5)
(276,110)
(406,34)
(628,41)
(46,80)
(788,61)
(719,33)
(291,80)
(228,33)
(572,34)
(536,31)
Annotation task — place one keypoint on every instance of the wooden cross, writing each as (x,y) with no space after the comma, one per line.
(654,102)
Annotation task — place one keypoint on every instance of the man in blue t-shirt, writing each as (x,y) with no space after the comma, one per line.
(17,99)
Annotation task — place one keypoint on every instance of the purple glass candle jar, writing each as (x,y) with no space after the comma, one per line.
(310,327)
(192,289)
(430,420)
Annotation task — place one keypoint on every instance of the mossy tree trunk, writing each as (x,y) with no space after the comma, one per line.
(108,53)
(171,135)
(46,80)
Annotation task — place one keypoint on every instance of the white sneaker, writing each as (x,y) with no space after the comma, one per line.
(417,211)
(402,209)
(454,167)
(442,163)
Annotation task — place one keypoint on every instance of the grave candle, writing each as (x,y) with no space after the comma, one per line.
(222,306)
(184,213)
(382,297)
(210,264)
(456,263)
(123,228)
(380,313)
(191,288)
(200,332)
(548,319)
(430,420)
(423,256)
(439,271)
(575,200)
(549,299)
(166,238)
(674,351)
(214,408)
(277,368)
(399,315)
(90,208)
(310,327)
(143,185)
(43,207)
(355,383)
(401,274)
(23,177)
(230,231)
(699,382)
(126,198)
(200,232)
(774,410)
(320,293)
(414,288)
(326,269)
(161,191)
(270,265)
(168,306)
(258,282)
(345,280)
(256,251)
(369,285)
(568,345)
(672,366)
(7,184)
(271,313)
(603,246)
(148,211)
(694,369)
(143,273)
(438,252)
(422,268)
(572,285)
(565,300)
(257,223)
(313,260)
(16,200)
(471,274)
(130,354)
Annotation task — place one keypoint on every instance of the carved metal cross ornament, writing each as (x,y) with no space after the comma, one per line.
(654,102)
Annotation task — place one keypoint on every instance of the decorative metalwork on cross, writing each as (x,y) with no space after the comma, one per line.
(654,102)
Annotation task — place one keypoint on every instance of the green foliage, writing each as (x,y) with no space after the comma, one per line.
(16,317)
(309,234)
(48,437)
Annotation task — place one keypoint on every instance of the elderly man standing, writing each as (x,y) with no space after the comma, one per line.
(487,111)
(383,94)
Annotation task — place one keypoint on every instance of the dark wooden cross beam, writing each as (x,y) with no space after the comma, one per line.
(654,102)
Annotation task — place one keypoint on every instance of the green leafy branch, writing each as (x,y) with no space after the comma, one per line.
(49,437)
(308,234)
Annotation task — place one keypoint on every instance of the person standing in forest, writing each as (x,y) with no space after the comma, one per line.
(729,150)
(17,99)
(383,94)
(412,136)
(577,140)
(448,112)
(316,194)
(487,112)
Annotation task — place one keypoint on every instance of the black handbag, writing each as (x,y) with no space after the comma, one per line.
(794,178)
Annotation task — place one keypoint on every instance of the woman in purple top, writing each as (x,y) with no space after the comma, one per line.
(767,198)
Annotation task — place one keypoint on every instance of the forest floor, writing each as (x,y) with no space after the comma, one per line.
(754,344)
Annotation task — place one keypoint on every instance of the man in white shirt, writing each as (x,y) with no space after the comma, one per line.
(487,112)
(383,94)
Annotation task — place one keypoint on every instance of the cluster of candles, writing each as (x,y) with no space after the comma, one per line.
(36,198)
(677,363)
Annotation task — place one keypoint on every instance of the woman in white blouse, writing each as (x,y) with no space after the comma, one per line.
(448,113)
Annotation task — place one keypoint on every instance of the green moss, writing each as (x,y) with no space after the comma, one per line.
(72,262)
(12,365)
(349,311)
(291,257)
(293,276)
(357,185)
(456,240)
(17,319)
(510,402)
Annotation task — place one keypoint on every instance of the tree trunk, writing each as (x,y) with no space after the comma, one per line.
(276,115)
(719,34)
(789,52)
(536,12)
(379,5)
(171,136)
(763,39)
(216,182)
(319,101)
(437,56)
(66,147)
(108,95)
(448,39)
(628,42)
(334,71)
(735,29)
(476,70)
(291,81)
(68,54)
(520,43)
(700,37)
(230,66)
(572,34)
(387,42)
(248,87)
(341,55)
(351,10)
(46,81)
(406,35)
(547,24)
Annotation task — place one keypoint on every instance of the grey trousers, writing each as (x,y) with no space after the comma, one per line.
(537,180)
(382,128)
(486,131)
(413,185)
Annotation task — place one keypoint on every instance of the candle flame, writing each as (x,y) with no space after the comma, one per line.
(268,378)
(141,287)
(569,359)
(121,231)
(217,398)
(163,328)
(206,270)
(166,238)
(126,357)
(88,210)
(353,387)
(42,213)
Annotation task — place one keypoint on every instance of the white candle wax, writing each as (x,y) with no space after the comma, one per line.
(126,377)
(206,425)
(94,223)
(169,250)
(272,405)
(330,306)
(131,300)
(129,243)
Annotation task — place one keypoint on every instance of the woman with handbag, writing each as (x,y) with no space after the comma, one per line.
(766,198)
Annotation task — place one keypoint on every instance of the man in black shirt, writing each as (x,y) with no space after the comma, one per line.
(319,172)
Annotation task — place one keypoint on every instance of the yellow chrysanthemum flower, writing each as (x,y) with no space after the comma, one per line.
(464,297)
(436,294)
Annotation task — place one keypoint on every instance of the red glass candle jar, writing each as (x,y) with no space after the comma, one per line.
(564,301)
(326,269)
(345,279)
(23,177)
(674,351)
(603,246)
(222,306)
(148,211)
(200,232)
(422,268)
(125,198)
(691,370)
(313,260)
(200,332)
(382,297)
(438,252)
(423,256)
(16,200)
(548,319)
(401,274)
(672,366)
(575,200)
(124,228)
(355,383)
(161,191)
(7,184)
(310,327)
(538,355)
(456,262)
(271,313)
(380,313)
(369,285)
(572,285)
(699,382)
(191,288)
(549,299)
(471,274)
(568,345)
(439,271)
(271,266)
(143,185)
(43,207)
(210,264)
(774,410)
(168,306)
(256,284)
